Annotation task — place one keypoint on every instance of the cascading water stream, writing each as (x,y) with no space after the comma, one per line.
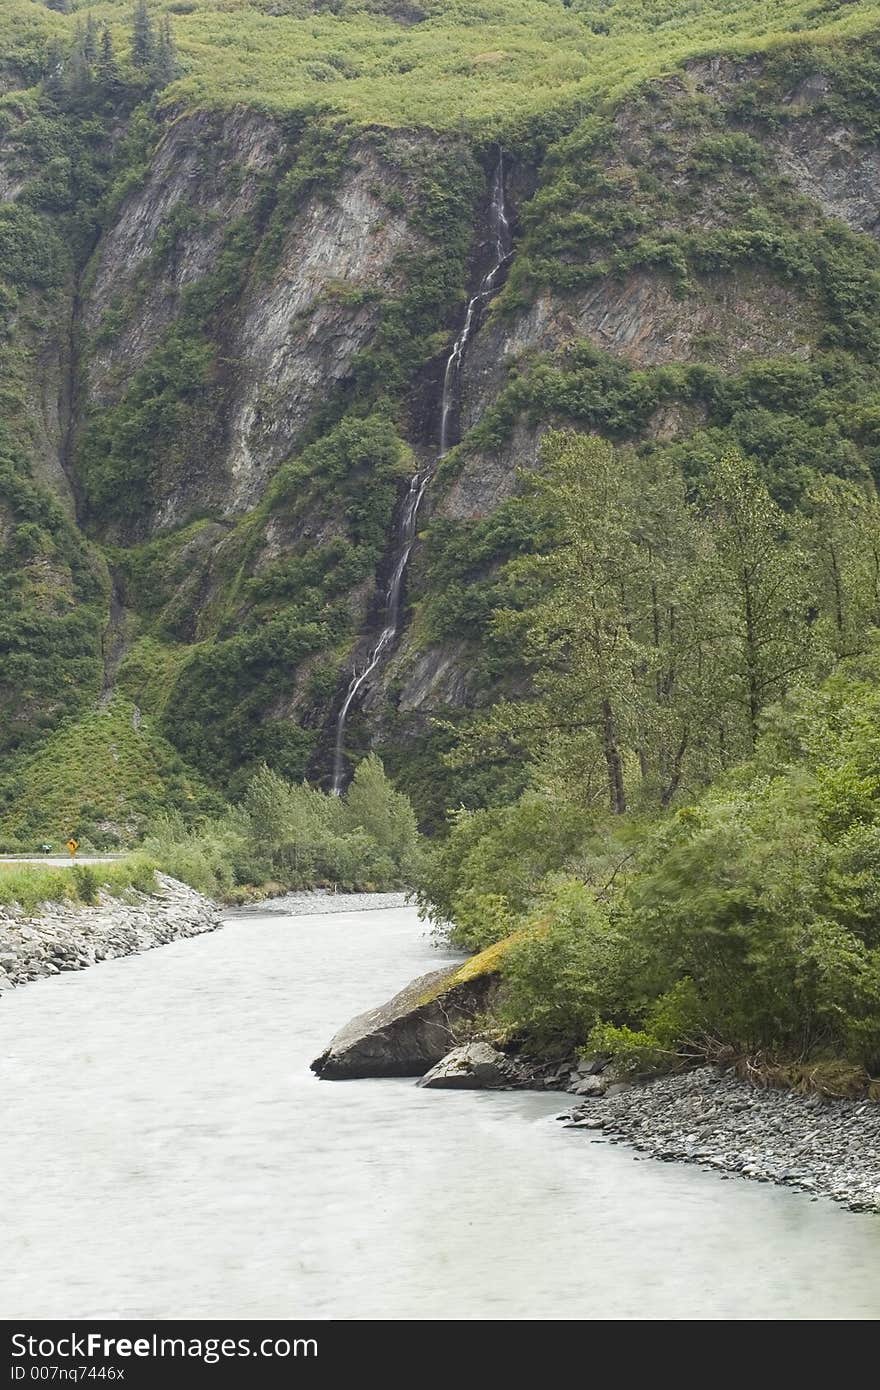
(406,526)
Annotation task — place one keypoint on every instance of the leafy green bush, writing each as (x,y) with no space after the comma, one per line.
(484,875)
(562,972)
(85,882)
(31,252)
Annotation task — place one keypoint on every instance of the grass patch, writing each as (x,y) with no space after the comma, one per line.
(834,1078)
(30,885)
(477,63)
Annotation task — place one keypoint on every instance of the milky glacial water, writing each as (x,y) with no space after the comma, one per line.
(165,1152)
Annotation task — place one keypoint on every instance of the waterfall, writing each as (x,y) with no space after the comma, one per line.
(500,229)
(405,532)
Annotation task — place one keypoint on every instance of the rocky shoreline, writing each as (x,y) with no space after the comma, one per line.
(707,1116)
(829,1148)
(71,936)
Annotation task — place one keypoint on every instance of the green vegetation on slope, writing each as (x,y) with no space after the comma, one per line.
(281,613)
(58,163)
(99,777)
(53,608)
(243,665)
(668,211)
(438,64)
(653,618)
(277,624)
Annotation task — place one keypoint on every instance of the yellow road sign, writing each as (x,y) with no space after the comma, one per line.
(73,846)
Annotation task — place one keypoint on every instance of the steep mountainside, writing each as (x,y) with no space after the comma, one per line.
(229,309)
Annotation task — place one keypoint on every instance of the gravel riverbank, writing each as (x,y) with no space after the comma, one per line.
(827,1147)
(317,900)
(71,936)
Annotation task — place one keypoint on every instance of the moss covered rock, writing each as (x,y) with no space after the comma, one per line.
(414,1030)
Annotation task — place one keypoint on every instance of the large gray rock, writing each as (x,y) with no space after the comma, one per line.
(589,1086)
(413,1031)
(475,1066)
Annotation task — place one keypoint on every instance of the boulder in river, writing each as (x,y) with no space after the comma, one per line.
(475,1066)
(589,1086)
(414,1030)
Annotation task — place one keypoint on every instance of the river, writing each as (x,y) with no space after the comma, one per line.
(165,1152)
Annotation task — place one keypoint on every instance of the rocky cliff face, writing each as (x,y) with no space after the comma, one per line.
(204,173)
(230,381)
(308,278)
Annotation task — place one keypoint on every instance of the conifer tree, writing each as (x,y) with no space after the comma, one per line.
(90,40)
(55,69)
(78,71)
(143,37)
(107,68)
(165,65)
